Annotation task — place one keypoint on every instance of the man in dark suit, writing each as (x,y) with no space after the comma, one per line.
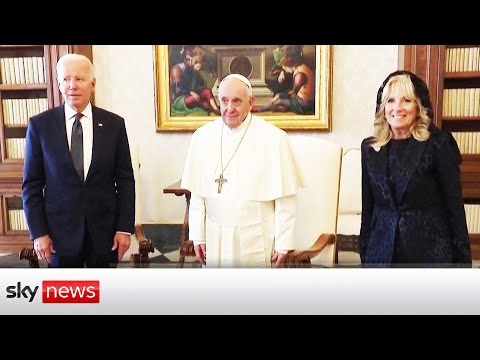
(78,187)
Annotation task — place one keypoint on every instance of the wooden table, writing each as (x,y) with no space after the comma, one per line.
(186,246)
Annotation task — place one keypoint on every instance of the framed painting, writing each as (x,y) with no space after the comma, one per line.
(292,84)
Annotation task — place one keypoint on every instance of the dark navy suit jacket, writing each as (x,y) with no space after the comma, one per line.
(423,221)
(58,203)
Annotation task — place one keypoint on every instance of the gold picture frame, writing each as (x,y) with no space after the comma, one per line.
(258,63)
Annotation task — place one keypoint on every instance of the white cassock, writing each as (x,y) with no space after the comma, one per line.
(254,214)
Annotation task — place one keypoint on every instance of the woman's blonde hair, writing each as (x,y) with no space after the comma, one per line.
(400,85)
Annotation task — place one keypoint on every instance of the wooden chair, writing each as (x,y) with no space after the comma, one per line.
(317,211)
(186,245)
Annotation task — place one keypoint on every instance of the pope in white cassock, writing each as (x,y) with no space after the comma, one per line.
(243,178)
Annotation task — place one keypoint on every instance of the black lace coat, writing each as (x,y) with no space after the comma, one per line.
(412,207)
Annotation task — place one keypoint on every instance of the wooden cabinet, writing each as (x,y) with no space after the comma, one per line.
(452,73)
(28,86)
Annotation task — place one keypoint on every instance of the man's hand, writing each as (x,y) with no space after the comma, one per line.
(279,259)
(201,253)
(43,246)
(122,242)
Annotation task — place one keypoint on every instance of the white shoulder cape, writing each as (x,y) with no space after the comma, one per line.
(264,159)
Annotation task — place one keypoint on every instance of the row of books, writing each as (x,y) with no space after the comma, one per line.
(462,59)
(22,70)
(18,111)
(472,213)
(468,142)
(461,102)
(15,148)
(17,220)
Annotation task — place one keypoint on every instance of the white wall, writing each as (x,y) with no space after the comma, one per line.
(125,85)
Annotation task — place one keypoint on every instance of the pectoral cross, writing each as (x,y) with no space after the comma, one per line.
(220,182)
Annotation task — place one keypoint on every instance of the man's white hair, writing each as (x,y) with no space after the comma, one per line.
(77,57)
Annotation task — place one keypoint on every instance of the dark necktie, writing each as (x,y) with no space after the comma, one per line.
(77,145)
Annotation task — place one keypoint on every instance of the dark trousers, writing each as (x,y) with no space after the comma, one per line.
(88,257)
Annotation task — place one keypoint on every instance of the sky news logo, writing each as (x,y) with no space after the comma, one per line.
(59,292)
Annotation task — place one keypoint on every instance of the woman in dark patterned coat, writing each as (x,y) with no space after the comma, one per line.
(412,207)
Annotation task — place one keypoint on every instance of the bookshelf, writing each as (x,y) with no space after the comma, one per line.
(28,86)
(452,73)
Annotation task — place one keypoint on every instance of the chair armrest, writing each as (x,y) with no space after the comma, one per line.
(301,258)
(187,248)
(30,255)
(145,246)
